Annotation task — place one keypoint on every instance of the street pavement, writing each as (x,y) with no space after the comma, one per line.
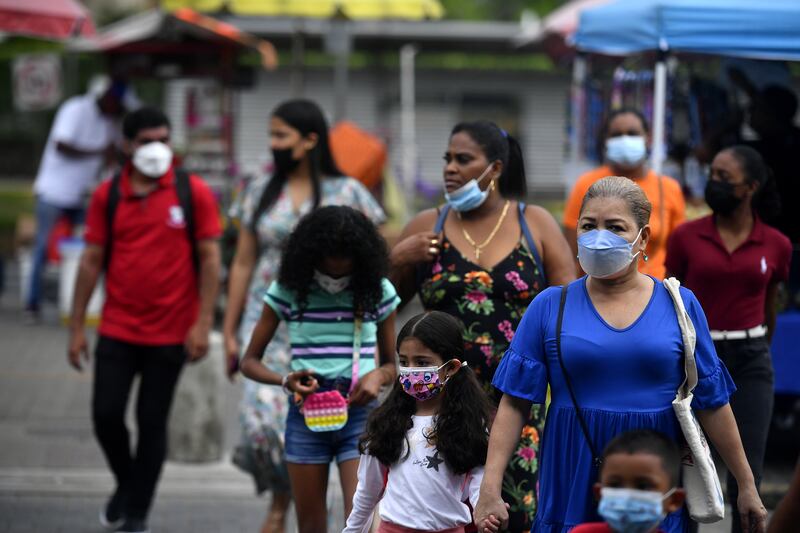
(52,474)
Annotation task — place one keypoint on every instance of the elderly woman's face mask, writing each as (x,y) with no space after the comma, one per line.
(602,253)
(604,230)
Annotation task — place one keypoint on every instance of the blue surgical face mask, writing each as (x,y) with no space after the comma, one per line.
(631,510)
(469,196)
(626,150)
(603,253)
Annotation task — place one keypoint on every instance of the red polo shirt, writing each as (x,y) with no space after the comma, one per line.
(152,293)
(731,287)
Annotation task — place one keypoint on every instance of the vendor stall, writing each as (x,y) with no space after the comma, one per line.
(186,45)
(739,28)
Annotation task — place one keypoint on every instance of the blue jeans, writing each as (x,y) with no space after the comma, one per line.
(46,217)
(304,446)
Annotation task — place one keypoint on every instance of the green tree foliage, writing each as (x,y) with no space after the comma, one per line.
(496,9)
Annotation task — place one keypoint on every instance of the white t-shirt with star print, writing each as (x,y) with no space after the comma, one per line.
(420,491)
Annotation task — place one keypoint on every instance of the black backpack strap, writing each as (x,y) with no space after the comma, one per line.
(442,217)
(596,459)
(526,231)
(183,188)
(111,209)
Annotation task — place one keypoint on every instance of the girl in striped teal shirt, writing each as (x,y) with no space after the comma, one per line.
(331,285)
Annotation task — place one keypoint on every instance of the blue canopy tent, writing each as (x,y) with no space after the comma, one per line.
(758,29)
(767,29)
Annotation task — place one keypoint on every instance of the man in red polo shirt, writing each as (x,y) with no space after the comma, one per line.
(161,284)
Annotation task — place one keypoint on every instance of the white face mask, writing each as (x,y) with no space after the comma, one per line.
(626,150)
(153,159)
(331,285)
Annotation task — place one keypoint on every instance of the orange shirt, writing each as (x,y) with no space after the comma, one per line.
(662,222)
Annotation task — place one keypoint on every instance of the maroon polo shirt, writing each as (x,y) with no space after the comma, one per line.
(731,287)
(152,295)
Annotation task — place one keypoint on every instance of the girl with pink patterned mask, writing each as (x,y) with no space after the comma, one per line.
(425,446)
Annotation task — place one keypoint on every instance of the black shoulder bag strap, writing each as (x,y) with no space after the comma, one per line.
(526,231)
(183,188)
(596,459)
(111,209)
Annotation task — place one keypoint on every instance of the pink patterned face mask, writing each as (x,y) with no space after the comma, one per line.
(422,382)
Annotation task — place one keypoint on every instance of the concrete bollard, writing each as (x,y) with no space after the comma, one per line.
(196,427)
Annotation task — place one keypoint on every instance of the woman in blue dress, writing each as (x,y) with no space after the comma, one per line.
(622,350)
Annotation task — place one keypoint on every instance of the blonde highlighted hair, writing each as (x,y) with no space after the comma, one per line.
(624,189)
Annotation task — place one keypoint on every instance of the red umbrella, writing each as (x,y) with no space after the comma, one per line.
(560,25)
(50,19)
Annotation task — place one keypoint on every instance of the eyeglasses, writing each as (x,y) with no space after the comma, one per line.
(164,140)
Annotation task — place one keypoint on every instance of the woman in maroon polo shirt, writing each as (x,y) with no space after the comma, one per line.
(733,262)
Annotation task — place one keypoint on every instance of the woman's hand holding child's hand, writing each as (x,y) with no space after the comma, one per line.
(490,525)
(491,513)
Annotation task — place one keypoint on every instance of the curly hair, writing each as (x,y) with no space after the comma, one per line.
(461,428)
(336,231)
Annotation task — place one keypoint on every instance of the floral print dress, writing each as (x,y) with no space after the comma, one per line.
(264,407)
(490,303)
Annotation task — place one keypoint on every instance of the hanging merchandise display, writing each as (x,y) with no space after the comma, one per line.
(628,88)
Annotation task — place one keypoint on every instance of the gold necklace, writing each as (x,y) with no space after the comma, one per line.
(481,246)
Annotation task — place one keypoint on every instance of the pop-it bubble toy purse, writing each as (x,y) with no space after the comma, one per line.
(327,411)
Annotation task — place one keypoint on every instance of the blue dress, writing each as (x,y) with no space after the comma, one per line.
(623,380)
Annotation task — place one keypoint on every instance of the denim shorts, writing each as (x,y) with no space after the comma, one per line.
(304,446)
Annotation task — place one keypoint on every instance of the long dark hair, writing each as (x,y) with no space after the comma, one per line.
(497,144)
(766,201)
(461,429)
(306,117)
(336,231)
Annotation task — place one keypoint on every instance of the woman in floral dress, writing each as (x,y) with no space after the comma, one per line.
(482,258)
(304,177)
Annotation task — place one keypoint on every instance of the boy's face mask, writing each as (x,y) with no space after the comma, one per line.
(631,510)
(422,382)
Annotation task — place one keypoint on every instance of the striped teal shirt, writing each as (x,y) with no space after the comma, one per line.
(323,339)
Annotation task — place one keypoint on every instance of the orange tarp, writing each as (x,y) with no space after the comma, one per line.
(357,153)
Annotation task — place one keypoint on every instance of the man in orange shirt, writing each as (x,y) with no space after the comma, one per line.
(626,136)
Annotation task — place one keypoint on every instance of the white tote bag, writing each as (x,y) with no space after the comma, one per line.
(700,479)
